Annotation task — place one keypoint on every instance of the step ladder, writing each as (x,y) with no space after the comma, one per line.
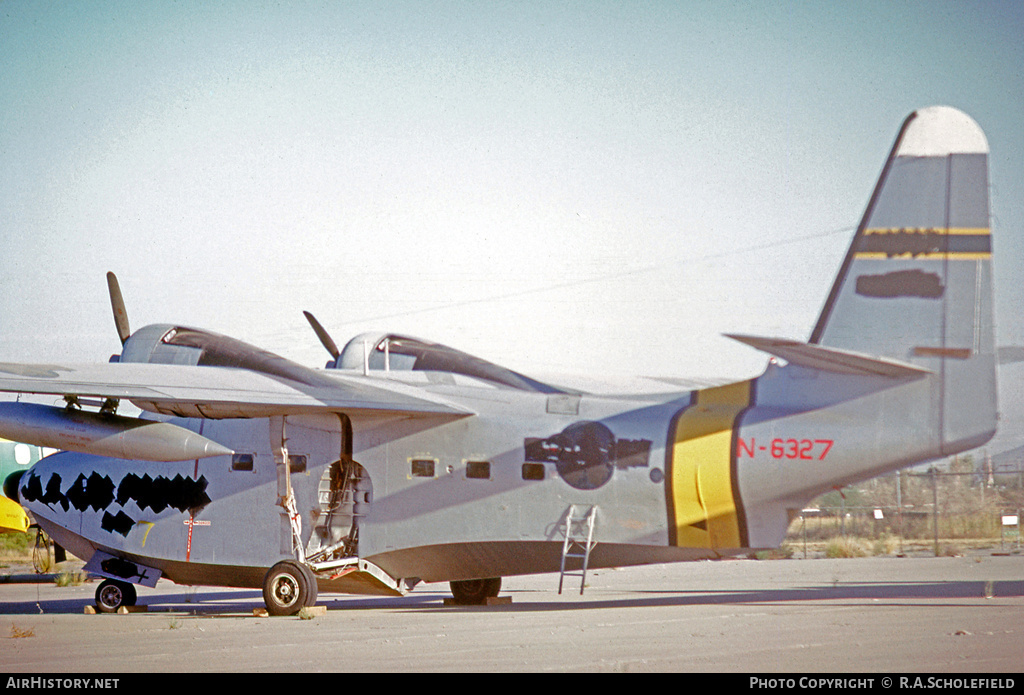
(578,526)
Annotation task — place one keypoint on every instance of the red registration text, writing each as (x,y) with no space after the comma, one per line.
(778,448)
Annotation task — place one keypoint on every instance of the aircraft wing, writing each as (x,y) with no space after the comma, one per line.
(219,392)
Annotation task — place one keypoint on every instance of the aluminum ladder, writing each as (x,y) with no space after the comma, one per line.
(578,527)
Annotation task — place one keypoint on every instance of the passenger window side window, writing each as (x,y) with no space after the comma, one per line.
(423,468)
(242,462)
(297,463)
(533,471)
(478,470)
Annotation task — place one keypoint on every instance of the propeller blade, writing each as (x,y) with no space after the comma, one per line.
(325,339)
(117,304)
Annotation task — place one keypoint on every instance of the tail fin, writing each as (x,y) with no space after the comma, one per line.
(916,283)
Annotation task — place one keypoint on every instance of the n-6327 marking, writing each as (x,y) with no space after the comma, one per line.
(785,448)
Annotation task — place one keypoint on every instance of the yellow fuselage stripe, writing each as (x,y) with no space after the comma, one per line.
(704,510)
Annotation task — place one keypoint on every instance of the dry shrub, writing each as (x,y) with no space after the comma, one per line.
(847,546)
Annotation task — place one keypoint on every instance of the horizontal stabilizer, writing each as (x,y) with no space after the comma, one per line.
(832,359)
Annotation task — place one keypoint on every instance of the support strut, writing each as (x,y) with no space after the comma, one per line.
(285,496)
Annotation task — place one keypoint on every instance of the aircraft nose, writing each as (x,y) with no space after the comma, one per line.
(24,486)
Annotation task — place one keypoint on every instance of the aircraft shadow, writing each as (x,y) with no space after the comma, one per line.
(204,602)
(235,602)
(878,593)
(214,604)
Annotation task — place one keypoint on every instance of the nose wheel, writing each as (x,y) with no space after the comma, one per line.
(112,594)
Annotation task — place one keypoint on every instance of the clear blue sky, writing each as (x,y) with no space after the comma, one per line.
(559,187)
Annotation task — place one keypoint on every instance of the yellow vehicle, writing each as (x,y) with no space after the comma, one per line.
(15,458)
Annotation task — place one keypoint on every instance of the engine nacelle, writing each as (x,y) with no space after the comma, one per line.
(170,344)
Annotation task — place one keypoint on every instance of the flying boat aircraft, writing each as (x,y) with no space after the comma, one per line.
(405,461)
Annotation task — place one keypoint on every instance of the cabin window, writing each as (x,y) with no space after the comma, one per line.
(297,463)
(479,470)
(22,454)
(242,462)
(423,468)
(533,471)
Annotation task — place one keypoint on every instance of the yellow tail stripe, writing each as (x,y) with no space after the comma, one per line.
(929,230)
(703,507)
(938,243)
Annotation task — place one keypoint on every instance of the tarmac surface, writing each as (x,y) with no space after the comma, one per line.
(868,615)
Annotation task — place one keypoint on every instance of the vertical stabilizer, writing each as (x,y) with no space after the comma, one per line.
(916,283)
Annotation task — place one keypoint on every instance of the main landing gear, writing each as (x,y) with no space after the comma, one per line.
(288,587)
(474,592)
